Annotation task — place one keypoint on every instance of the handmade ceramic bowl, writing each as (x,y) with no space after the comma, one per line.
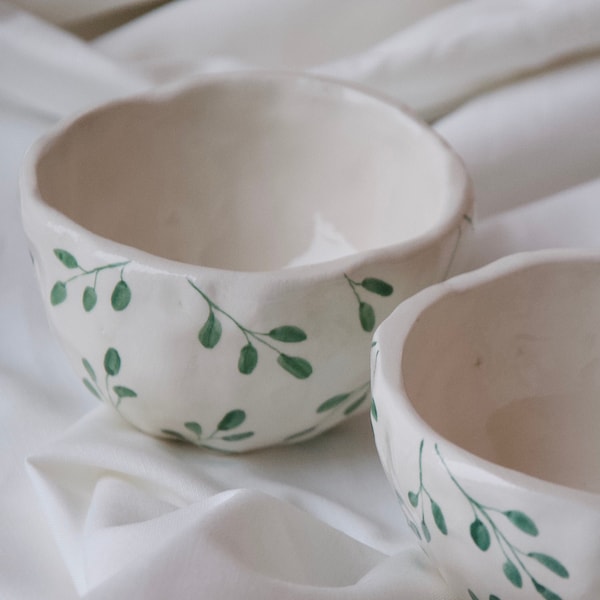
(486,413)
(171,235)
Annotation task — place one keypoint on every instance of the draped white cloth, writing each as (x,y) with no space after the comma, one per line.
(94,509)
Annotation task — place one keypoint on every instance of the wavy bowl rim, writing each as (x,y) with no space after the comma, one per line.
(458,201)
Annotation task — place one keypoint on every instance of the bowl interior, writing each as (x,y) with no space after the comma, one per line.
(510,371)
(246,172)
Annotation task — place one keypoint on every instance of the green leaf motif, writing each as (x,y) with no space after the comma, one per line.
(472,595)
(366,315)
(355,404)
(287,333)
(58,293)
(121,296)
(210,334)
(413,499)
(194,427)
(332,402)
(90,297)
(494,597)
(373,410)
(88,368)
(377,286)
(480,534)
(112,362)
(522,521)
(91,388)
(248,359)
(512,573)
(124,392)
(236,437)
(438,517)
(550,563)
(296,366)
(426,533)
(66,258)
(233,419)
(544,592)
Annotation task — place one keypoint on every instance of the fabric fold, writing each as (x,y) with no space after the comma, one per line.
(432,63)
(52,72)
(119,501)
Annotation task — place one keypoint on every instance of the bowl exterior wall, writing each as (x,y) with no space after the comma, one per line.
(492,533)
(228,360)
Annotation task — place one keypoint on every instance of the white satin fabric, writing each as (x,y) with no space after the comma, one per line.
(94,509)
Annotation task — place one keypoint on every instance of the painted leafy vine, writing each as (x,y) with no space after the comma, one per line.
(488,526)
(210,335)
(348,402)
(104,390)
(121,294)
(195,434)
(366,312)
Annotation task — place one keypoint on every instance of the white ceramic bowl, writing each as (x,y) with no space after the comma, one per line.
(486,415)
(165,230)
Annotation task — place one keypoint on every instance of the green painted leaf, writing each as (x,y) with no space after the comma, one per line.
(494,597)
(112,362)
(124,392)
(194,427)
(377,286)
(373,409)
(544,592)
(210,334)
(298,367)
(426,533)
(550,563)
(88,368)
(332,402)
(174,434)
(287,333)
(58,293)
(89,386)
(121,296)
(413,499)
(472,595)
(350,409)
(512,573)
(414,528)
(367,316)
(236,437)
(89,298)
(480,534)
(233,419)
(66,258)
(248,359)
(522,521)
(438,517)
(300,434)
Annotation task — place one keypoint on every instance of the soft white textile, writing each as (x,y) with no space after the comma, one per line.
(103,512)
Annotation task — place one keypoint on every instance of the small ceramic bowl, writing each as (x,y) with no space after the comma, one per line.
(486,414)
(175,237)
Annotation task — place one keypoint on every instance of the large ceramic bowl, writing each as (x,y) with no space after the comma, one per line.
(486,415)
(177,239)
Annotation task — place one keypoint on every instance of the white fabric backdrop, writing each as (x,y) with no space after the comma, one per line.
(101,511)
